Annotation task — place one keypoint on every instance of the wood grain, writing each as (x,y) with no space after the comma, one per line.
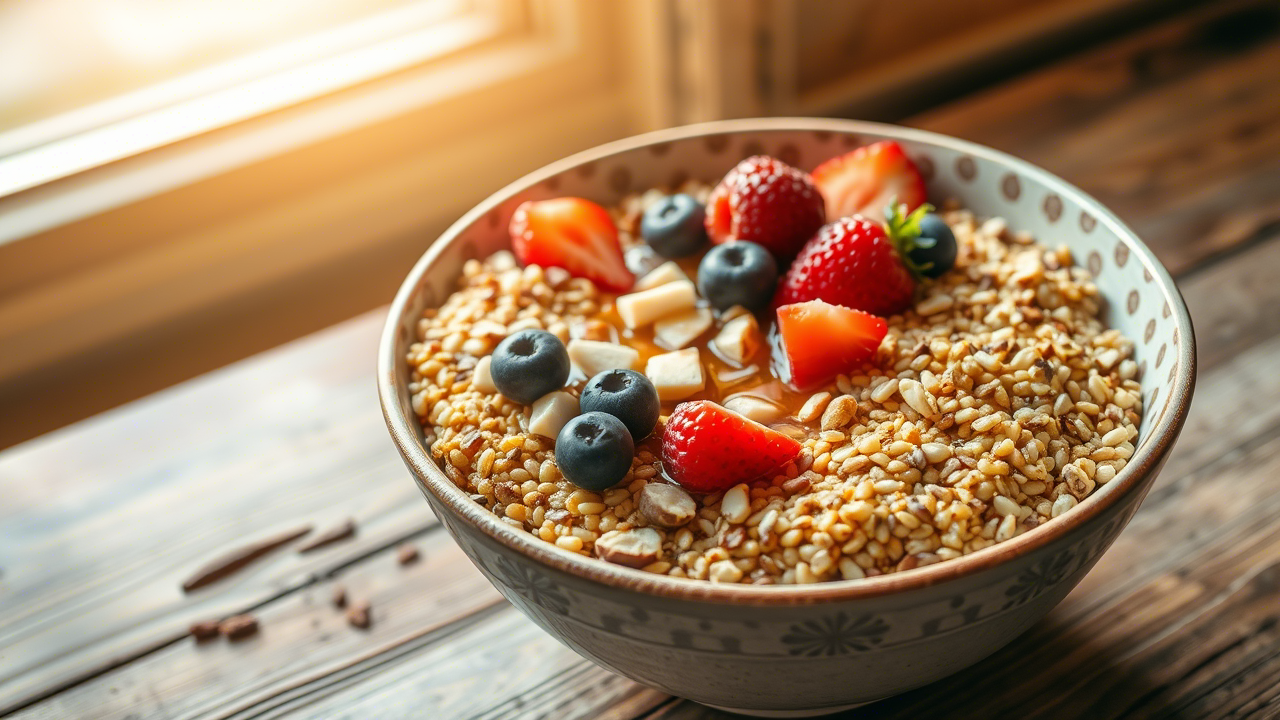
(103,521)
(1176,129)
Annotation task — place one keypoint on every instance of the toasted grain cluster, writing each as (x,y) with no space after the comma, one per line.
(997,404)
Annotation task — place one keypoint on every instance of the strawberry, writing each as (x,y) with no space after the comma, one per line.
(821,340)
(851,262)
(765,201)
(707,447)
(571,233)
(864,181)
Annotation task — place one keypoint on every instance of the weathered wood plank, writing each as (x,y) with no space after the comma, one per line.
(305,648)
(1176,129)
(103,521)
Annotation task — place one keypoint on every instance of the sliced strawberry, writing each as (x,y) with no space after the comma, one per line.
(821,340)
(864,181)
(765,201)
(707,447)
(571,233)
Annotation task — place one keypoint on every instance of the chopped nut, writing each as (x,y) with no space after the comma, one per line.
(642,308)
(839,412)
(735,506)
(754,408)
(739,340)
(481,379)
(666,505)
(551,412)
(676,375)
(634,548)
(813,407)
(594,357)
(679,329)
(724,571)
(665,273)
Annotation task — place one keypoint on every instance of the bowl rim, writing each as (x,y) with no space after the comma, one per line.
(405,432)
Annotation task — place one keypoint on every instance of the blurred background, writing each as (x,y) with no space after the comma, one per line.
(184,183)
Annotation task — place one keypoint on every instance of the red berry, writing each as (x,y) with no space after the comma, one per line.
(707,447)
(866,180)
(821,340)
(764,200)
(850,262)
(571,233)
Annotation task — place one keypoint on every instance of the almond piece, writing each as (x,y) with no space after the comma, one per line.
(754,408)
(481,379)
(678,330)
(676,375)
(634,548)
(641,308)
(739,339)
(551,412)
(666,505)
(594,356)
(665,273)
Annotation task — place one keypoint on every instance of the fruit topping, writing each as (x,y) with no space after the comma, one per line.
(821,340)
(676,375)
(529,364)
(676,331)
(674,226)
(850,262)
(661,275)
(595,356)
(707,448)
(739,340)
(864,181)
(737,273)
(594,451)
(766,201)
(934,251)
(571,233)
(626,395)
(641,308)
(550,413)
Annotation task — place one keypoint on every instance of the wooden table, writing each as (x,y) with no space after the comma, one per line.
(1177,128)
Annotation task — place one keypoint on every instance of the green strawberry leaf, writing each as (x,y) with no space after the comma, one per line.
(904,232)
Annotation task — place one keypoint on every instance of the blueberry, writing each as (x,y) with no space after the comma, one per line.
(626,395)
(594,451)
(941,255)
(738,273)
(529,364)
(674,227)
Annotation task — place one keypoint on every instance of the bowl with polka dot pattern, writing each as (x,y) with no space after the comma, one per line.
(801,650)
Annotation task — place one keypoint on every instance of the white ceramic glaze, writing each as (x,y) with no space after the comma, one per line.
(803,650)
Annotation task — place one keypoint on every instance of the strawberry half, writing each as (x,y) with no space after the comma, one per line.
(765,201)
(821,340)
(851,262)
(864,181)
(707,447)
(571,233)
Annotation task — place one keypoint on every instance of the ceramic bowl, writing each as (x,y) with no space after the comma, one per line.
(805,650)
